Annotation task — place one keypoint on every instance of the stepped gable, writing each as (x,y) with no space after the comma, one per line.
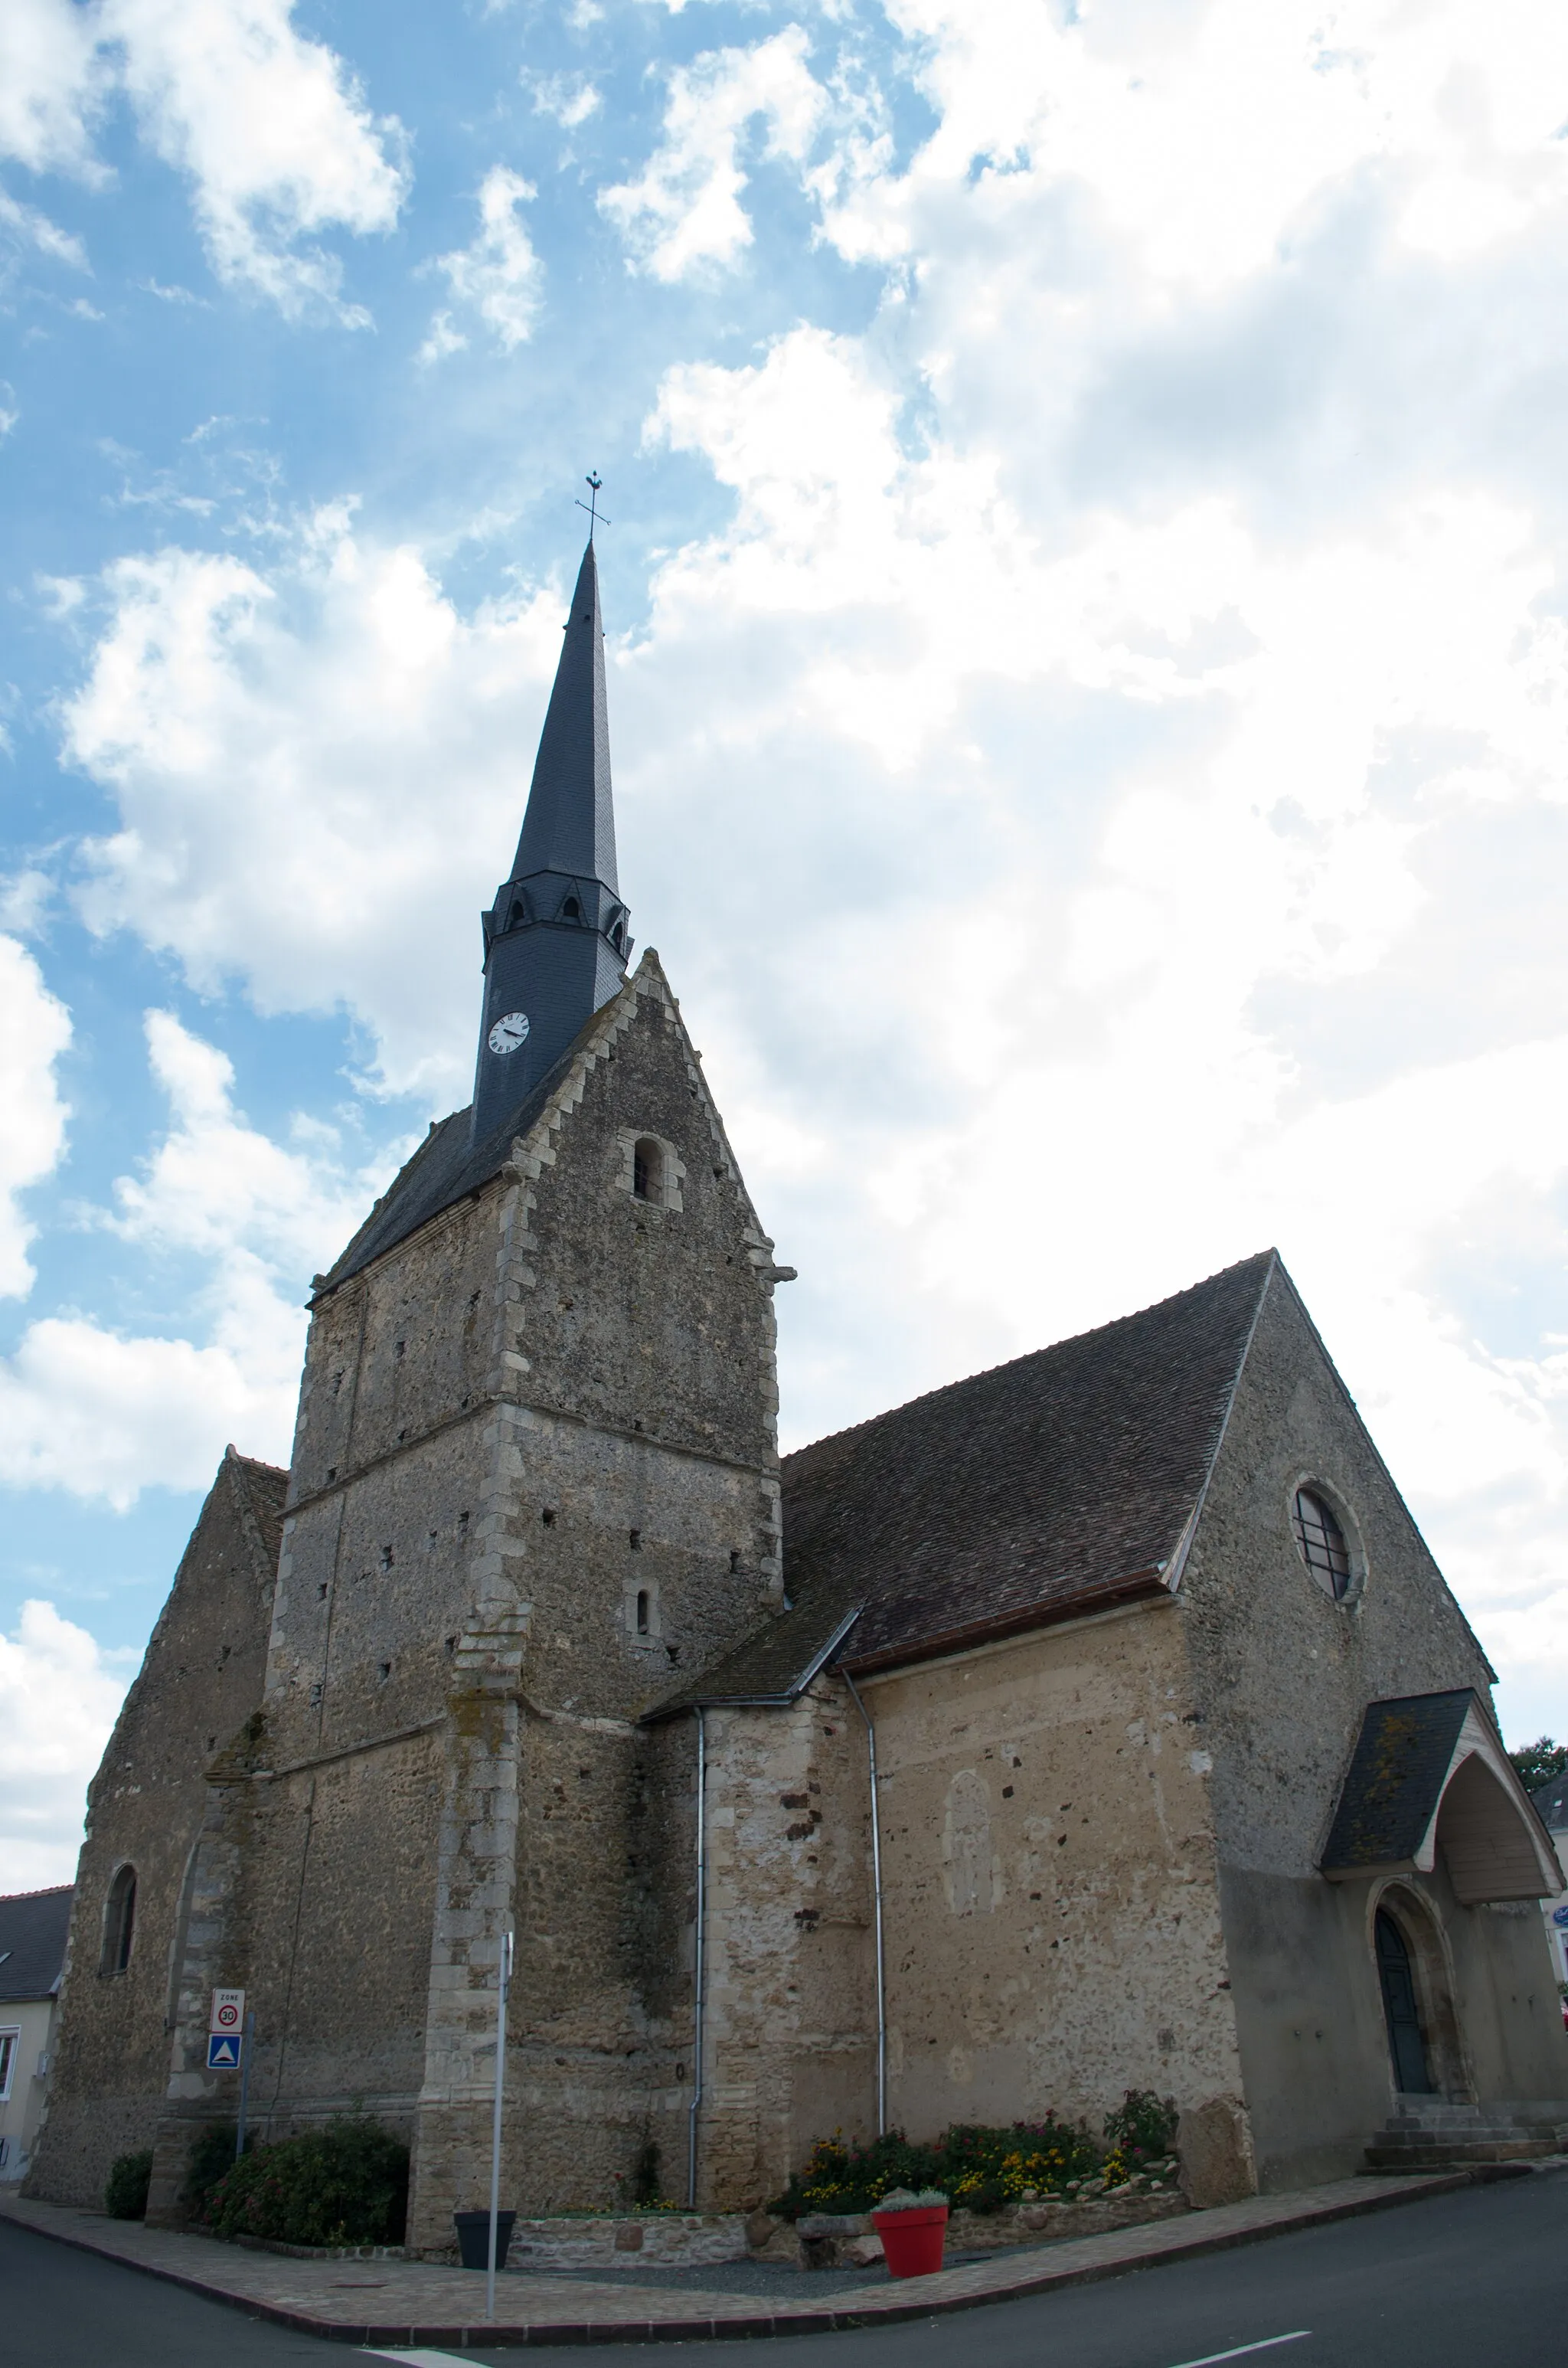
(446,1166)
(33,1929)
(1057,1484)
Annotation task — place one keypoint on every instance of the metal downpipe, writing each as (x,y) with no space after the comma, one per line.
(700,1970)
(877,1894)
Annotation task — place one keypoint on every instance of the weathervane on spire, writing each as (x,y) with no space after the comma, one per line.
(596,518)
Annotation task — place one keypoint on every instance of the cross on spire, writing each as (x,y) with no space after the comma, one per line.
(594,482)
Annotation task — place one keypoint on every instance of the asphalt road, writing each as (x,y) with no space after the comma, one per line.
(1461,2282)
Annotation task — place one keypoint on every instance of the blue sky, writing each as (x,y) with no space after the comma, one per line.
(1088,678)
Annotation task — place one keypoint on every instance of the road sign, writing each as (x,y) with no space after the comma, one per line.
(222,2053)
(228,2010)
(1559,1915)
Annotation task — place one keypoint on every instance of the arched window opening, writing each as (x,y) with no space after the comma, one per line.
(642,1611)
(1321,1541)
(518,915)
(119,1921)
(615,937)
(648,1170)
(571,910)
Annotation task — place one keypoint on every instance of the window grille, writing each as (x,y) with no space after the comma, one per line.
(1322,1541)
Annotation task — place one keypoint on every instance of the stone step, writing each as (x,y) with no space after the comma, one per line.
(1437,2153)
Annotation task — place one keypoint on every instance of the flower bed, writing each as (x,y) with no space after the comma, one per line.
(987,2170)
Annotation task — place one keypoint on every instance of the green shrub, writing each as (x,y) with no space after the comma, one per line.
(125,2197)
(980,2169)
(1142,2128)
(212,2156)
(345,2184)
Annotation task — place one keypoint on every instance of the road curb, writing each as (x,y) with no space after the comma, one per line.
(1038,2278)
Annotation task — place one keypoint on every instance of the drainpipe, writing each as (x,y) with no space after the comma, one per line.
(877,1892)
(696,1991)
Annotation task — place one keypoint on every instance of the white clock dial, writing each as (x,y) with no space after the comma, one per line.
(509,1034)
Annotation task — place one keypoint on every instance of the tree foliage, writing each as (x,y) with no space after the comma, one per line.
(1539,1762)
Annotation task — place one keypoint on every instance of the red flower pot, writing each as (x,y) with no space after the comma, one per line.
(913,2241)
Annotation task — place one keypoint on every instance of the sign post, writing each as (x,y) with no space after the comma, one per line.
(505,1985)
(244,2086)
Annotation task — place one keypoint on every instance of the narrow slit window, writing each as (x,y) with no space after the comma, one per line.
(648,1170)
(119,1921)
(642,1611)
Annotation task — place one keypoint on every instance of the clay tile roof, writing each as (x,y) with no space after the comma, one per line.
(33,1929)
(1050,1485)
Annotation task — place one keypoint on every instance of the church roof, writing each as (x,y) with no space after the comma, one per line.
(570,822)
(33,1930)
(1060,1484)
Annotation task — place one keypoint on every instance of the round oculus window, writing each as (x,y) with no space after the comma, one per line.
(1323,1546)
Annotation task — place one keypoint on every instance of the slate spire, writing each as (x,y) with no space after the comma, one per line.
(555,941)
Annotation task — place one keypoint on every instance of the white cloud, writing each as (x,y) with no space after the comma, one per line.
(59,1694)
(35,1028)
(1081,1105)
(682,215)
(309,766)
(569,99)
(272,129)
(52,81)
(104,1415)
(274,132)
(499,274)
(29,227)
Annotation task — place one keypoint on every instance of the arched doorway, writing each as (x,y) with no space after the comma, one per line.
(1407,2044)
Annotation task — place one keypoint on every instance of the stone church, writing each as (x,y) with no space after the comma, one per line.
(1098,1722)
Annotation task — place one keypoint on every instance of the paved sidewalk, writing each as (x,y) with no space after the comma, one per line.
(412,2303)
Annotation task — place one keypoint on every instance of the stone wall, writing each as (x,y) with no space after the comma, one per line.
(200,1678)
(534,1479)
(1282,1675)
(790,2037)
(1051,1906)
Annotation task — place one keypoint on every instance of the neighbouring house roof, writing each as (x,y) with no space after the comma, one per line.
(33,1929)
(1551,1803)
(1062,1483)
(1429,1769)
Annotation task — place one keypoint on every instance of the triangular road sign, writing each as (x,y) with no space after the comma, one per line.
(222,2051)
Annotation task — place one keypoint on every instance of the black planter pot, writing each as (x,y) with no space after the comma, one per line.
(473,2238)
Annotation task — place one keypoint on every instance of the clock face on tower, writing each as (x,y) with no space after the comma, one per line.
(509,1034)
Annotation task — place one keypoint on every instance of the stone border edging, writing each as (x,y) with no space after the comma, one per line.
(986,2281)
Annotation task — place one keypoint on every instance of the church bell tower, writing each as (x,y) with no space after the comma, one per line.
(556,939)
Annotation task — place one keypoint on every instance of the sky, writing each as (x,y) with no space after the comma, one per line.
(1088,668)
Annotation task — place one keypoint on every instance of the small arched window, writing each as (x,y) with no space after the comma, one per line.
(1321,1541)
(571,910)
(648,1169)
(119,1921)
(642,1611)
